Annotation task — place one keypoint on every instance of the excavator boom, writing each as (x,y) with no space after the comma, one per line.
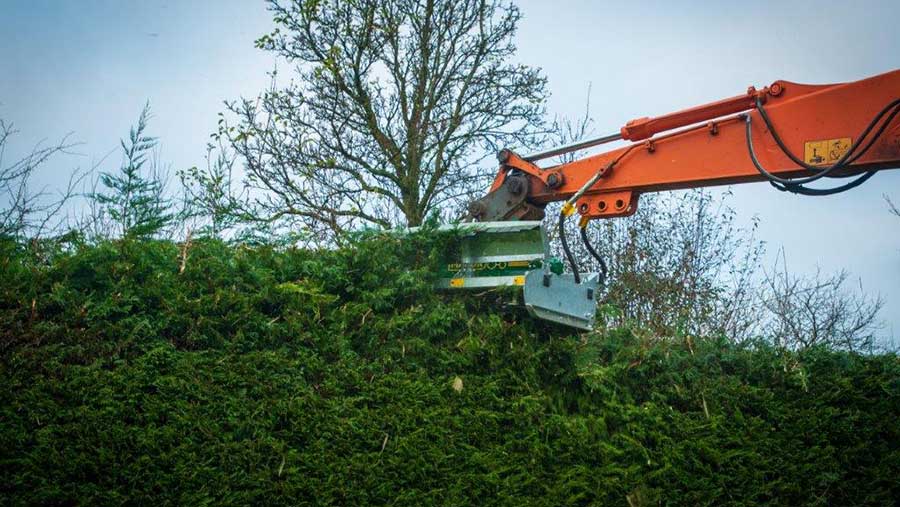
(788,134)
(815,125)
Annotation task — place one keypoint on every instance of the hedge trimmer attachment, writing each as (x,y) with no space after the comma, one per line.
(517,254)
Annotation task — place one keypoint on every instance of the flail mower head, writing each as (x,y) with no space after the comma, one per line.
(517,253)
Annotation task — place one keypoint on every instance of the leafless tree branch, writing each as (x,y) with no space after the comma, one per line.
(819,310)
(27,212)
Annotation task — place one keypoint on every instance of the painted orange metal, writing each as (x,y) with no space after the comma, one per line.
(715,152)
(643,128)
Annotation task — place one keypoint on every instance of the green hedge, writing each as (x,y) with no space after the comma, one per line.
(288,377)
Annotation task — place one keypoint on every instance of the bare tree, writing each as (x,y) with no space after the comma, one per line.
(893,207)
(26,212)
(819,310)
(395,104)
(681,264)
(567,130)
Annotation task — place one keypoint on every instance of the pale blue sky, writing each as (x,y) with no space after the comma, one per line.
(88,67)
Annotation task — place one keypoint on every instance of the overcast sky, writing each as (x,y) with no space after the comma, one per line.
(87,67)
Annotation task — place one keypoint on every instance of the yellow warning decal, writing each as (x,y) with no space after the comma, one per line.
(519,280)
(457,282)
(826,151)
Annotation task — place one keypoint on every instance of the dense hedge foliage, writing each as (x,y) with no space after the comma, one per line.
(258,375)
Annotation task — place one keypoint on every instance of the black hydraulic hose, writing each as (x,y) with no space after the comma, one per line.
(787,185)
(821,171)
(565,246)
(847,156)
(878,133)
(796,185)
(816,192)
(594,254)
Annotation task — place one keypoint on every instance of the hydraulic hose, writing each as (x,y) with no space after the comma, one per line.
(594,254)
(565,246)
(796,185)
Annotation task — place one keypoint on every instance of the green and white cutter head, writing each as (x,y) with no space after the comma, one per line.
(517,253)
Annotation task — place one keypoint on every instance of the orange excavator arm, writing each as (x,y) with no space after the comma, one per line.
(791,135)
(787,133)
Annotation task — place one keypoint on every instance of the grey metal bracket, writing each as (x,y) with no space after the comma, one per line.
(559,299)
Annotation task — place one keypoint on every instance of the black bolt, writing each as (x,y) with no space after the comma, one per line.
(554,180)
